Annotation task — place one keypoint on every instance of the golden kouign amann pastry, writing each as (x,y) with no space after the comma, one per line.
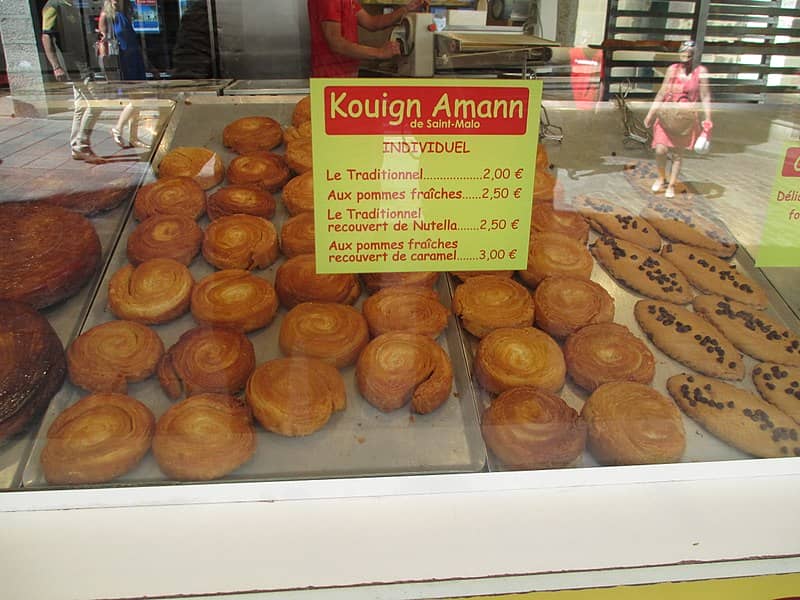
(302,111)
(299,155)
(334,333)
(464,275)
(617,222)
(241,199)
(170,196)
(780,386)
(207,359)
(293,133)
(240,242)
(544,183)
(488,302)
(156,291)
(165,236)
(414,309)
(204,437)
(201,164)
(544,218)
(251,134)
(556,254)
(736,416)
(597,354)
(377,281)
(298,194)
(542,158)
(519,356)
(632,424)
(297,280)
(565,304)
(297,235)
(295,396)
(109,356)
(397,367)
(234,298)
(265,170)
(531,428)
(47,253)
(686,226)
(97,439)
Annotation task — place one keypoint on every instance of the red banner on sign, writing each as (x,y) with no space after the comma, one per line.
(791,163)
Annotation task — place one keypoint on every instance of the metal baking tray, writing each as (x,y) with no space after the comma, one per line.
(359,441)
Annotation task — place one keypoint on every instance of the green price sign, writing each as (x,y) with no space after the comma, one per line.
(780,239)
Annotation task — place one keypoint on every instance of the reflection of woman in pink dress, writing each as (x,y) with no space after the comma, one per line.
(676,125)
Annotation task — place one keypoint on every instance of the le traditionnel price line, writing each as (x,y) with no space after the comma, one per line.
(501,174)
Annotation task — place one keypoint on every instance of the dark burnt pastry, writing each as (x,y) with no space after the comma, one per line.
(780,386)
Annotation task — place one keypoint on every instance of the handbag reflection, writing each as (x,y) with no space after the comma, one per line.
(702,145)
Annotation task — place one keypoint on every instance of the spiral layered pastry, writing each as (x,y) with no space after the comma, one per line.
(97,439)
(165,236)
(265,170)
(297,235)
(464,275)
(544,218)
(413,309)
(299,155)
(297,281)
(156,291)
(207,359)
(542,158)
(32,366)
(293,133)
(334,333)
(295,396)
(170,196)
(489,302)
(234,298)
(632,424)
(397,367)
(240,199)
(544,183)
(302,111)
(201,164)
(556,254)
(565,304)
(251,134)
(598,354)
(240,242)
(514,357)
(47,253)
(298,194)
(377,281)
(108,357)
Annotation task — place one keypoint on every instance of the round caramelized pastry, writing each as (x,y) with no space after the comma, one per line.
(295,396)
(302,111)
(156,291)
(265,170)
(234,298)
(32,366)
(334,333)
(165,236)
(378,281)
(530,428)
(108,357)
(414,309)
(464,275)
(297,281)
(513,357)
(297,235)
(556,254)
(299,155)
(204,437)
(201,164)
(544,217)
(488,302)
(301,131)
(544,183)
(298,194)
(251,134)
(565,304)
(597,354)
(47,253)
(632,424)
(240,199)
(170,196)
(97,439)
(240,242)
(207,359)
(398,366)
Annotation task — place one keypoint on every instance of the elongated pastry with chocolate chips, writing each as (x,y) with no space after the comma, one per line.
(613,220)
(736,416)
(752,331)
(779,385)
(642,270)
(689,339)
(713,275)
(683,224)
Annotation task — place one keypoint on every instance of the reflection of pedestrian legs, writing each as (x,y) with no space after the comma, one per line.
(84,117)
(129,114)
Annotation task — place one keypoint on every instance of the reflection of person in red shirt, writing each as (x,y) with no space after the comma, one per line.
(335,51)
(586,68)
